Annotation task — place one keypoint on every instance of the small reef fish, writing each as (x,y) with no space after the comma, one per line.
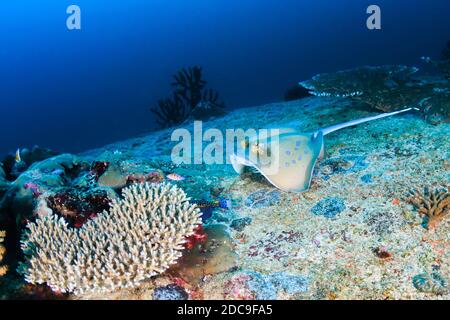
(18,158)
(175,177)
(207,207)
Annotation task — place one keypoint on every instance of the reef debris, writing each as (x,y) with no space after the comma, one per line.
(433,205)
(140,237)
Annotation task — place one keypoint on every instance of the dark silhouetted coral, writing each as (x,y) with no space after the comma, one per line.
(171,111)
(433,205)
(296,92)
(189,85)
(190,92)
(4,184)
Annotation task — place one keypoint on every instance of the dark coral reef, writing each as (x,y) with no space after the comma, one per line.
(296,92)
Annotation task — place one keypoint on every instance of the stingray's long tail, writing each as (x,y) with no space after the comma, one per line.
(358,121)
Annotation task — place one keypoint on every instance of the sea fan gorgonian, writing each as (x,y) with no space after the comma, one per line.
(141,236)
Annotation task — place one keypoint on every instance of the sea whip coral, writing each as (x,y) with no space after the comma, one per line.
(140,237)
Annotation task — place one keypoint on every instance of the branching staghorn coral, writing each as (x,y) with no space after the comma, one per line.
(140,237)
(434,205)
(3,269)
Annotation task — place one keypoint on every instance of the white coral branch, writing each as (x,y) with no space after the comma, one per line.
(140,237)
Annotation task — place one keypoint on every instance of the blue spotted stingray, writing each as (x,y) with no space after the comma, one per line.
(287,157)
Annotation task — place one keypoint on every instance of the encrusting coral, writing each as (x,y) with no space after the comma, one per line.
(434,205)
(141,236)
(3,269)
(387,88)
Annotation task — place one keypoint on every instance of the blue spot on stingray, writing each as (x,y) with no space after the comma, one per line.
(298,143)
(294,162)
(329,207)
(299,158)
(263,198)
(367,178)
(288,152)
(286,164)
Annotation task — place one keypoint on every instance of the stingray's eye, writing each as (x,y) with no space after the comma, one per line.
(245,144)
(260,149)
(255,148)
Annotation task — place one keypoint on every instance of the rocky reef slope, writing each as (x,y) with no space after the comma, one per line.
(356,234)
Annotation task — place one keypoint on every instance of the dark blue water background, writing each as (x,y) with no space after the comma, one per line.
(73,90)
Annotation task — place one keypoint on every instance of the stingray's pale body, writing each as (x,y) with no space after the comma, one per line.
(290,161)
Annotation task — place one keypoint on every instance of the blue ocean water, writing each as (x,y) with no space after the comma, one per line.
(73,90)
